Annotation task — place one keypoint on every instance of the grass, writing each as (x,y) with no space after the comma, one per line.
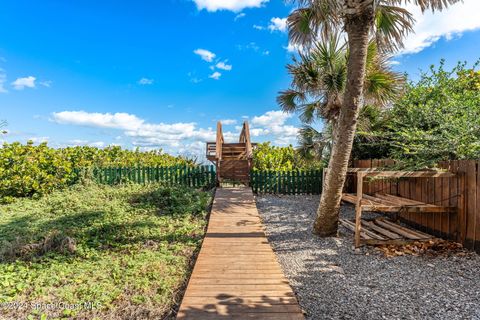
(91,251)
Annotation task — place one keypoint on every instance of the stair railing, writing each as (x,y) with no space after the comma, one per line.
(219,141)
(245,138)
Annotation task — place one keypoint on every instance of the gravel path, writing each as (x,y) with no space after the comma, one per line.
(332,282)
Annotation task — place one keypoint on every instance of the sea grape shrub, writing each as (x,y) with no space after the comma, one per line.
(268,157)
(438,118)
(28,170)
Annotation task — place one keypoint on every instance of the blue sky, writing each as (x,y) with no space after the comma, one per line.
(159,74)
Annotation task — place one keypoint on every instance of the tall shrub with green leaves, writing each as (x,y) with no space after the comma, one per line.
(268,157)
(27,170)
(438,118)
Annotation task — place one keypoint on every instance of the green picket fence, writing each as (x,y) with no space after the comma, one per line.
(287,182)
(196,177)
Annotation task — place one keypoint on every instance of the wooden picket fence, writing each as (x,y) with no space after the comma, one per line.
(287,182)
(461,191)
(196,177)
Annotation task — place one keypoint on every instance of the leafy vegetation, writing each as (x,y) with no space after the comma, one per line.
(268,157)
(437,119)
(126,249)
(29,170)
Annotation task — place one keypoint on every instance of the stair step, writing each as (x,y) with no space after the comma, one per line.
(233,144)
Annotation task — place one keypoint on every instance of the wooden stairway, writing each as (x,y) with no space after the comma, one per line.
(232,160)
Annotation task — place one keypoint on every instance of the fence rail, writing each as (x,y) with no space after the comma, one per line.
(287,182)
(201,176)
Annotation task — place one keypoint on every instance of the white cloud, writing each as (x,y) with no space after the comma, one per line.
(278,24)
(271,118)
(232,5)
(224,66)
(79,142)
(293,48)
(239,16)
(272,123)
(228,122)
(430,27)
(22,83)
(256,26)
(142,132)
(3,79)
(205,54)
(145,81)
(250,46)
(180,137)
(46,83)
(216,75)
(120,120)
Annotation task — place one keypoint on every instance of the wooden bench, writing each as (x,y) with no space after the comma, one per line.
(388,203)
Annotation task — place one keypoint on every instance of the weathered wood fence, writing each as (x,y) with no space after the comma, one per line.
(462,191)
(199,176)
(287,182)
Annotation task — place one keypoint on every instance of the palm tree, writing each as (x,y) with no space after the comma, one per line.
(371,138)
(360,20)
(319,77)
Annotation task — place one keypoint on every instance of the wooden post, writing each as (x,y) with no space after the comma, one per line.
(358,209)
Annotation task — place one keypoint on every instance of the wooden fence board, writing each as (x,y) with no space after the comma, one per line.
(477,214)
(471,202)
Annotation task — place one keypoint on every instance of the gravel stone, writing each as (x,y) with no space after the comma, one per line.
(332,281)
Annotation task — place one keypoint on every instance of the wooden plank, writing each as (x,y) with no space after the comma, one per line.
(406,232)
(358,209)
(445,195)
(236,275)
(380,200)
(400,174)
(383,231)
(209,315)
(364,233)
(471,202)
(462,214)
(477,213)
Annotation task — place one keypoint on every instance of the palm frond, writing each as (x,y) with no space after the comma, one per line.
(290,99)
(317,18)
(312,143)
(433,5)
(310,111)
(392,24)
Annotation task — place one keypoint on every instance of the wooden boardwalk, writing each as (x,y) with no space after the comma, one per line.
(237,275)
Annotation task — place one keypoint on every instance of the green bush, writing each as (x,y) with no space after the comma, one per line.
(268,157)
(29,170)
(437,119)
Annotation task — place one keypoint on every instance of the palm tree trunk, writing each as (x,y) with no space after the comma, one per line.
(358,27)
